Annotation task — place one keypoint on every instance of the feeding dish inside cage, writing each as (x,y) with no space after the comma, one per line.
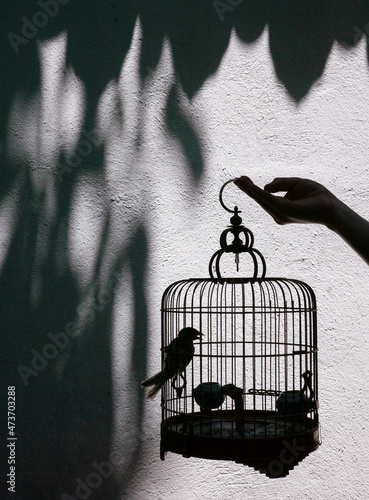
(250,393)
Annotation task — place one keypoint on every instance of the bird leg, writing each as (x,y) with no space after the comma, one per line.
(179,388)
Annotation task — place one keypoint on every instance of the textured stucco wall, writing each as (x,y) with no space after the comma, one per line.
(250,125)
(143,212)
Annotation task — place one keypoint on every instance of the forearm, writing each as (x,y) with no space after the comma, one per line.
(351,227)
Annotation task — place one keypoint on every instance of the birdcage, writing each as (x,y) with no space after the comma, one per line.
(250,392)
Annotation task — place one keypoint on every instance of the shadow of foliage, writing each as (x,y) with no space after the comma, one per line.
(65,412)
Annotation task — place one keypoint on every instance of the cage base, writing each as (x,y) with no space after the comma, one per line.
(271,444)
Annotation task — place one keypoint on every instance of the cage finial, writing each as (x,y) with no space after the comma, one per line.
(243,241)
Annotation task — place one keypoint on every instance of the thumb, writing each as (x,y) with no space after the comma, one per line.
(263,197)
(244,183)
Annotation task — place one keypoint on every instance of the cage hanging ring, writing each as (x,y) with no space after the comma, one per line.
(235,210)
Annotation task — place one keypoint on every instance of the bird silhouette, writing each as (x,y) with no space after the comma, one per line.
(179,354)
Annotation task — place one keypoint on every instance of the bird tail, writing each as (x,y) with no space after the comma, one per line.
(157,380)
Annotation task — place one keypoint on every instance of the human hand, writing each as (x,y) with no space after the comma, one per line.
(305,200)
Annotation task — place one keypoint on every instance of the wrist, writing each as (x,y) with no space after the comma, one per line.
(336,211)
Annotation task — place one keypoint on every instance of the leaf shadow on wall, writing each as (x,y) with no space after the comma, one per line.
(65,412)
(301,35)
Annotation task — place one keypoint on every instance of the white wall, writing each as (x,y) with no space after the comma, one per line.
(245,122)
(249,125)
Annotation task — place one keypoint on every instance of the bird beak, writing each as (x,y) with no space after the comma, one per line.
(199,335)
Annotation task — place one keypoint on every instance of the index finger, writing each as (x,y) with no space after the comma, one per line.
(281,184)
